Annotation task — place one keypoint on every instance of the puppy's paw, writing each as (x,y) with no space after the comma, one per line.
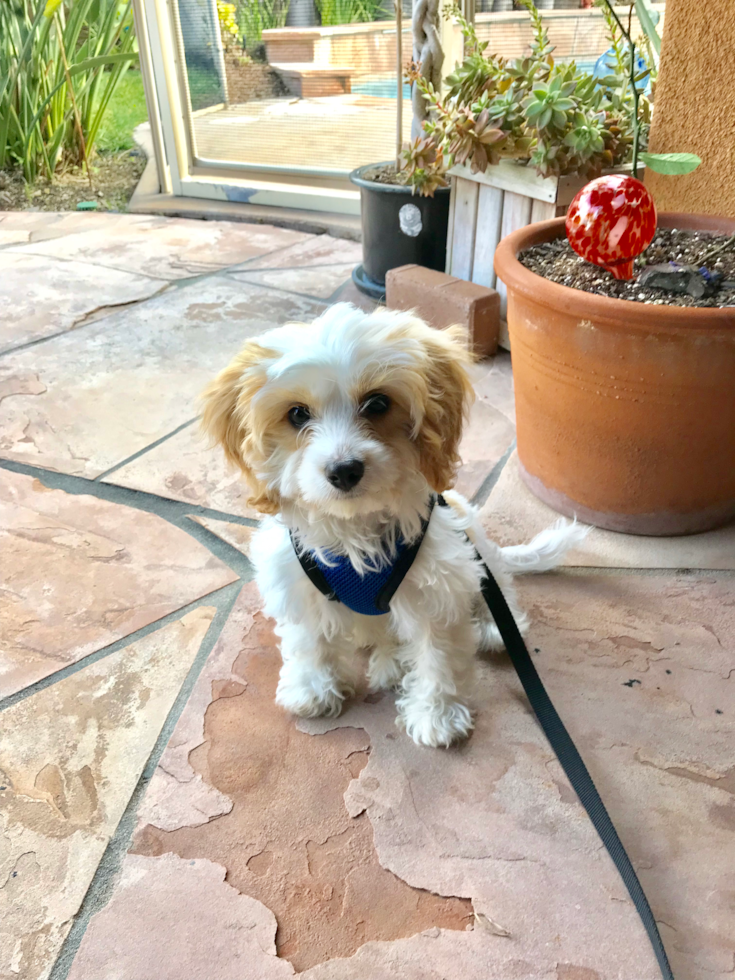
(438,722)
(489,638)
(310,695)
(384,672)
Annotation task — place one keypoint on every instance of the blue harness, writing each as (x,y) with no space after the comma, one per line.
(369,593)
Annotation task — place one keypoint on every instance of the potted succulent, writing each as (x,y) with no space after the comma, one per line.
(624,364)
(521,137)
(404,203)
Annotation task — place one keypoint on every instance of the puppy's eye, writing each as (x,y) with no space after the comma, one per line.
(298,416)
(375,405)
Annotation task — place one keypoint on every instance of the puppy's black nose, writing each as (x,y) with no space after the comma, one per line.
(347,474)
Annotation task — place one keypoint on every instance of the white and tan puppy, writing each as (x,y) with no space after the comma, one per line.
(346,428)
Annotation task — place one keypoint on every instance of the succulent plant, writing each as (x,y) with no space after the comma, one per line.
(423,166)
(559,118)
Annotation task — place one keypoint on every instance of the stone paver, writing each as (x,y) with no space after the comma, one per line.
(80,573)
(333,848)
(125,382)
(494,821)
(186,468)
(168,248)
(512,514)
(238,535)
(486,438)
(301,853)
(39,226)
(70,758)
(315,281)
(182,918)
(37,301)
(316,250)
(641,669)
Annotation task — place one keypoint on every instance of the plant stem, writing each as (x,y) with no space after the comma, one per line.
(77,120)
(399,78)
(627,34)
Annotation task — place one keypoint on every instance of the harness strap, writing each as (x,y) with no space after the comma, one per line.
(402,565)
(397,575)
(570,759)
(314,573)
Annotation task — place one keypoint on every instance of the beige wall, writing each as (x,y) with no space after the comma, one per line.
(695,106)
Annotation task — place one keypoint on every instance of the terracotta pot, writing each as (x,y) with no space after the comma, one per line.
(626,411)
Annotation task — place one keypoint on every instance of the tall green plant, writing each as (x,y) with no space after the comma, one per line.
(60,63)
(335,12)
(256,16)
(662,163)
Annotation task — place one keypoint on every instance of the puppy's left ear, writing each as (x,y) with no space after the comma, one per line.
(450,395)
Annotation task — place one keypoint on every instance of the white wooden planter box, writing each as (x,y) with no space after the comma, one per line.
(486,207)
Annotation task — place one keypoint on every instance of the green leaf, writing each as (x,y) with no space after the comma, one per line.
(103,59)
(51,7)
(646,15)
(544,119)
(671,163)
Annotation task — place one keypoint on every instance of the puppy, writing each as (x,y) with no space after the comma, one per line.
(346,430)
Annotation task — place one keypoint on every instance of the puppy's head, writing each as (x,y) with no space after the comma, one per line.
(345,414)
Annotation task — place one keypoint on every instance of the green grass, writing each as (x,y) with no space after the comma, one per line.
(127,109)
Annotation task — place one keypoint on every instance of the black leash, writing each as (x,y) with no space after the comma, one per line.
(570,759)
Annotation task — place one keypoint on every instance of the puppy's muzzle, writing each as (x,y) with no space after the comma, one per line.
(345,475)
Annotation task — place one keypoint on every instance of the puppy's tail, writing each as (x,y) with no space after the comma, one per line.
(546,550)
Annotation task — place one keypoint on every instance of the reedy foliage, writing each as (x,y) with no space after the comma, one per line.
(60,63)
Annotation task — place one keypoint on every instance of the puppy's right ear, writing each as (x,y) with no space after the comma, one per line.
(226,416)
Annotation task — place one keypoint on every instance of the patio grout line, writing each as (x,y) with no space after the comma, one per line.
(118,494)
(480,496)
(95,265)
(286,292)
(275,251)
(146,449)
(284,268)
(334,298)
(106,874)
(69,670)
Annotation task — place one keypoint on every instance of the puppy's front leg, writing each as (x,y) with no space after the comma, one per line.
(433,706)
(317,674)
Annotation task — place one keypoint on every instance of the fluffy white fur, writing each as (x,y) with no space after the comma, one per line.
(425,646)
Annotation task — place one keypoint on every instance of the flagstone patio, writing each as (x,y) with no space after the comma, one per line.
(163,820)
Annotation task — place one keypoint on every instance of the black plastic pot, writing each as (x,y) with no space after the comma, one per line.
(398,228)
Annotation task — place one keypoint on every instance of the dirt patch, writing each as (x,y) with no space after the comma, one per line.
(114,178)
(289,841)
(386,174)
(558,262)
(249,81)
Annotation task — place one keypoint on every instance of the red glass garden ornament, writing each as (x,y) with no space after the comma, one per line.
(611,221)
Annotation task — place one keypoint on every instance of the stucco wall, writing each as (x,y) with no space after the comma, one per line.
(695,106)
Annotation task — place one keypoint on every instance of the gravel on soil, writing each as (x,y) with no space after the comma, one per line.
(114,178)
(386,174)
(558,262)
